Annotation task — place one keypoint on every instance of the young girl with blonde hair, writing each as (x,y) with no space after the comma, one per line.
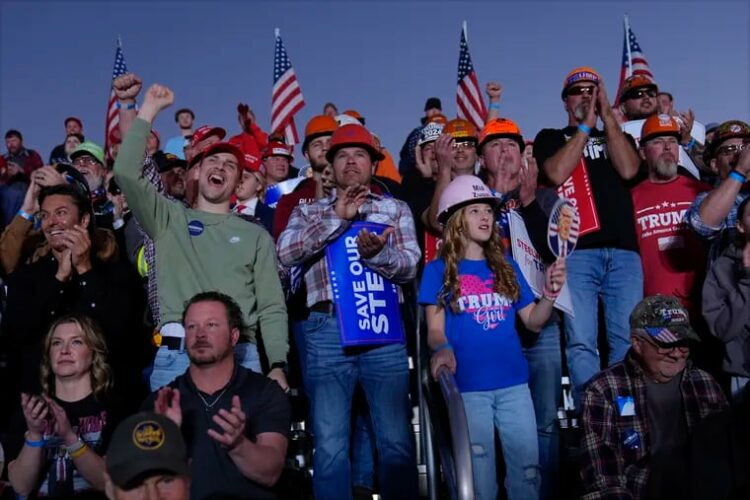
(472,294)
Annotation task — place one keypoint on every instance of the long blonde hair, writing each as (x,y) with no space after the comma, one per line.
(100,373)
(452,251)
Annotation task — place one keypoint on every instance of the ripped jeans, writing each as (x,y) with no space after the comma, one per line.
(511,410)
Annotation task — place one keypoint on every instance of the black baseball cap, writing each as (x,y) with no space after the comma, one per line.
(145,444)
(167,161)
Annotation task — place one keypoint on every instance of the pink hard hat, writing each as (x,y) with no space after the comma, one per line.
(463,190)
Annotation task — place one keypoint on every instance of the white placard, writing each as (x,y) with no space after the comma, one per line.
(531,264)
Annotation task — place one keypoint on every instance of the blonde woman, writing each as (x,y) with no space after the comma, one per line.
(59,441)
(472,295)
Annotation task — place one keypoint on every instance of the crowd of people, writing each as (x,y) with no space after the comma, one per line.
(162,297)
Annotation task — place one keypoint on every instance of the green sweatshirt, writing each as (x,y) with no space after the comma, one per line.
(199,251)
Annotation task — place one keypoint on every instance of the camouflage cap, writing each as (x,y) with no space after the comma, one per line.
(728,130)
(664,319)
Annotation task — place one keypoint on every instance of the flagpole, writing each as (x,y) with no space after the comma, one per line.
(465,30)
(276,32)
(627,46)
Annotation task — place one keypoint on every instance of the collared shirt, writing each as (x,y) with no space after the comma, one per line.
(313,226)
(616,442)
(720,236)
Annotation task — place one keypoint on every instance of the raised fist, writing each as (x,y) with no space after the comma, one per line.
(494,91)
(159,96)
(127,86)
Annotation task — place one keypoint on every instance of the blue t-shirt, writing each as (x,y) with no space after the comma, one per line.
(483,334)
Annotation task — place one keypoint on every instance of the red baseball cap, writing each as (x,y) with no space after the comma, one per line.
(225,147)
(252,163)
(275,148)
(206,131)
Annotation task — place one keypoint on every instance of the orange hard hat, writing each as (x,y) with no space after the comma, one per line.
(636,82)
(461,129)
(658,125)
(353,136)
(501,127)
(319,126)
(437,118)
(580,74)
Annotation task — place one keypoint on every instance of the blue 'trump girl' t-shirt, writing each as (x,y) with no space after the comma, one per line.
(483,334)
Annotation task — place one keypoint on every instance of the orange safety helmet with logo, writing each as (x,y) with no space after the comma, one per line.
(501,127)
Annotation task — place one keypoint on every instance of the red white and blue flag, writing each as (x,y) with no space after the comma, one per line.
(633,60)
(470,104)
(287,98)
(113,114)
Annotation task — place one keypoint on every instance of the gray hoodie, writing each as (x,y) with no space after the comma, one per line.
(726,307)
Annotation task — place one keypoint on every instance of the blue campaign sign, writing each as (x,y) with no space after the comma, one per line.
(275,192)
(366,303)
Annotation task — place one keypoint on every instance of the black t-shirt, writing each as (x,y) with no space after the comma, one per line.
(267,409)
(418,191)
(668,436)
(611,195)
(94,421)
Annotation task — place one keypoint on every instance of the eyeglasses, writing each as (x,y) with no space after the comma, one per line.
(85,160)
(682,346)
(583,89)
(463,145)
(732,149)
(639,93)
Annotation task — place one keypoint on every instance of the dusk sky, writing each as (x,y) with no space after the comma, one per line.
(381,58)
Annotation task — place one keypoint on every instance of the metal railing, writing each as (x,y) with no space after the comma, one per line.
(442,415)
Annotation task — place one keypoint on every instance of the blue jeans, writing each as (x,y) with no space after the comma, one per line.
(545,373)
(332,374)
(616,277)
(511,411)
(363,463)
(170,364)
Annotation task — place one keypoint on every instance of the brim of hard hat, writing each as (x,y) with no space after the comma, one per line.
(518,138)
(374,153)
(659,134)
(446,214)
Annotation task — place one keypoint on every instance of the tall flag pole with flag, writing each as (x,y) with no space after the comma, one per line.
(469,101)
(113,114)
(633,60)
(287,98)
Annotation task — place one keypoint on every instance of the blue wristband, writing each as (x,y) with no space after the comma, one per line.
(584,128)
(442,347)
(495,105)
(736,176)
(25,215)
(127,106)
(34,444)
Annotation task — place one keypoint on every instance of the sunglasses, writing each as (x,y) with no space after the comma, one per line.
(732,149)
(639,93)
(682,346)
(584,89)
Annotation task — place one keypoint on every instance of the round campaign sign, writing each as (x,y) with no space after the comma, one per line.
(195,227)
(562,230)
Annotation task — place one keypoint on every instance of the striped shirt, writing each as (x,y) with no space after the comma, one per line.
(313,226)
(719,236)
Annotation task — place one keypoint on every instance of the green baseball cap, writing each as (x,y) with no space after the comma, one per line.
(89,148)
(664,319)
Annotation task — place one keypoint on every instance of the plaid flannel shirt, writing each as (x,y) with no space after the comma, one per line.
(719,236)
(609,468)
(313,226)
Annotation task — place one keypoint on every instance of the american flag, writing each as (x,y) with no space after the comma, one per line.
(113,115)
(468,95)
(287,96)
(633,60)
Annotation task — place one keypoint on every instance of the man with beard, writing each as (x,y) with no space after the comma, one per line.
(235,422)
(673,257)
(638,97)
(638,413)
(590,166)
(27,160)
(203,248)
(713,215)
(318,132)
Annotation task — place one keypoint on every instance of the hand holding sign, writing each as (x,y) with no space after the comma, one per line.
(370,244)
(554,278)
(562,231)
